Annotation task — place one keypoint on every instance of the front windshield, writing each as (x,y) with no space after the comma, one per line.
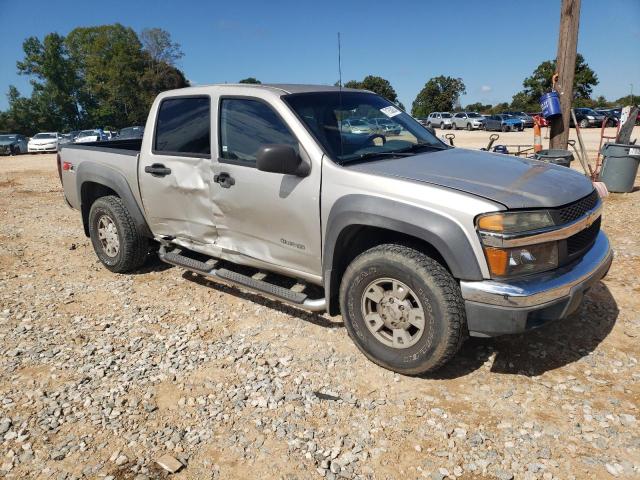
(4,138)
(87,133)
(446,115)
(45,135)
(325,114)
(473,115)
(588,111)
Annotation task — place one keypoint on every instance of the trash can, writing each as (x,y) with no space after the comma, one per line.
(620,166)
(556,156)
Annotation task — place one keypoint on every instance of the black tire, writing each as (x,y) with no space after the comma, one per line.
(441,125)
(429,125)
(468,126)
(584,123)
(454,126)
(521,128)
(133,246)
(505,128)
(439,293)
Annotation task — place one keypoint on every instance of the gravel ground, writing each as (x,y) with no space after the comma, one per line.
(103,374)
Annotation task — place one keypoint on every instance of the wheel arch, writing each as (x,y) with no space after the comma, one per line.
(359,222)
(95,181)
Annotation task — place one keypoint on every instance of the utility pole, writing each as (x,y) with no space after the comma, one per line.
(565,67)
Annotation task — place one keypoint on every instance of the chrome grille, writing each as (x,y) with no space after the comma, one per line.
(581,241)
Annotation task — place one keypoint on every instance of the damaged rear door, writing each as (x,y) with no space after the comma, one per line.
(175,171)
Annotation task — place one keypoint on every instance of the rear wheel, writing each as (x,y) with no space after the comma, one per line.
(115,238)
(402,309)
(505,128)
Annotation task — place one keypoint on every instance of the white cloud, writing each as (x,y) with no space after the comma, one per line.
(486,88)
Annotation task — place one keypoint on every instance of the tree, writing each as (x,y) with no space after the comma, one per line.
(539,82)
(522,102)
(499,108)
(439,94)
(478,107)
(376,84)
(250,80)
(158,44)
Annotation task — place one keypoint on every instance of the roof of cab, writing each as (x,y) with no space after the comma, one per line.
(286,87)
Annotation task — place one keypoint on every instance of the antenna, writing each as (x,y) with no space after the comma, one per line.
(339,117)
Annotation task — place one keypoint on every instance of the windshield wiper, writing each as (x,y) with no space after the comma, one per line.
(417,146)
(369,155)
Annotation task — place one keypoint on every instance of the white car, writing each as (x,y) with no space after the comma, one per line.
(44,142)
(90,136)
(468,120)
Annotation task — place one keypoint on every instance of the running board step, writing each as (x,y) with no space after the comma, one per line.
(186,262)
(256,283)
(260,285)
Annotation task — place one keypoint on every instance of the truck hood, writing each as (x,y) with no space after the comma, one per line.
(512,181)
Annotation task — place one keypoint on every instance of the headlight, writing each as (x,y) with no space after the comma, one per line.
(508,262)
(590,117)
(514,222)
(496,228)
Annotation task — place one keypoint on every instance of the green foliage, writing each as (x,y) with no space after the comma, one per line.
(376,84)
(627,100)
(539,83)
(95,76)
(439,94)
(478,107)
(499,108)
(251,80)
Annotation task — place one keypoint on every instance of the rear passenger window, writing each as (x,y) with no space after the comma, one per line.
(245,126)
(184,127)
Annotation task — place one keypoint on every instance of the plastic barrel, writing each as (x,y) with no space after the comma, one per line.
(555,156)
(620,166)
(550,105)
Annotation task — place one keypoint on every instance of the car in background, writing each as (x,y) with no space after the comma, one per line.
(468,120)
(67,138)
(130,132)
(587,117)
(357,126)
(439,119)
(527,119)
(612,114)
(110,134)
(44,142)
(422,120)
(86,136)
(12,144)
(385,126)
(504,123)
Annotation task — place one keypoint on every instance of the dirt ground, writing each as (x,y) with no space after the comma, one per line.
(101,374)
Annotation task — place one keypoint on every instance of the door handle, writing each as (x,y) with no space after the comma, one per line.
(224,179)
(157,170)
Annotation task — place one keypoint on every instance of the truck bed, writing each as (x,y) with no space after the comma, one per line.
(84,159)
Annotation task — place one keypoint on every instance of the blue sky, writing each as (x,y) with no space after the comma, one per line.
(492,45)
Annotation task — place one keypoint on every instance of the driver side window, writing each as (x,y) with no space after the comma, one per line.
(245,126)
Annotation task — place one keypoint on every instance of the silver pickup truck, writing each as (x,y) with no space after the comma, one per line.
(417,244)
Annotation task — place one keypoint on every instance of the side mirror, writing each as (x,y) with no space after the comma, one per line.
(281,158)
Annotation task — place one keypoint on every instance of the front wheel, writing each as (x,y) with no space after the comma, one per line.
(469,126)
(584,123)
(402,309)
(505,128)
(116,240)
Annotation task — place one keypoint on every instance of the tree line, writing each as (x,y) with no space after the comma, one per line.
(108,76)
(104,76)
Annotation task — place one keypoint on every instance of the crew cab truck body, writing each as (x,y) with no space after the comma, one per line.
(415,243)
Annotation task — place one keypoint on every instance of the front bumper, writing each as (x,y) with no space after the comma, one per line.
(42,148)
(500,307)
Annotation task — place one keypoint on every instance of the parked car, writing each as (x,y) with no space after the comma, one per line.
(527,120)
(503,122)
(44,142)
(587,117)
(414,242)
(468,120)
(357,126)
(385,126)
(67,138)
(422,120)
(441,120)
(612,114)
(130,132)
(13,144)
(85,136)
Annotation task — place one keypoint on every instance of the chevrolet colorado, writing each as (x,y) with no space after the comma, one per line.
(417,244)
